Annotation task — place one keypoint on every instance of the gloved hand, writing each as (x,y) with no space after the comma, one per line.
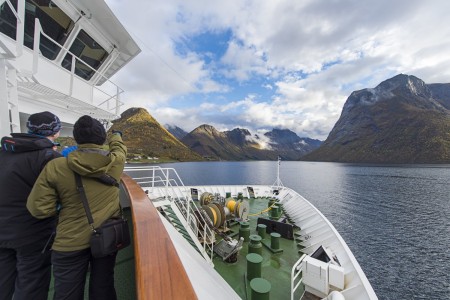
(117,131)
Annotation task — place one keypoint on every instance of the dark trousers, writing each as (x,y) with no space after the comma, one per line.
(25,272)
(70,270)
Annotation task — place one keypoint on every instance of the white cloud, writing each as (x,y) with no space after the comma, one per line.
(259,138)
(243,62)
(313,53)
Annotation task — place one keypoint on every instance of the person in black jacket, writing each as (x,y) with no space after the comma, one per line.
(24,257)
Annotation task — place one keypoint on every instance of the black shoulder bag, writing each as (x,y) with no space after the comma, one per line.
(112,235)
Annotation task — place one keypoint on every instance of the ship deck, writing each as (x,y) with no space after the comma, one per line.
(276,266)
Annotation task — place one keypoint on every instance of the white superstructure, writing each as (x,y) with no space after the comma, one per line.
(59,55)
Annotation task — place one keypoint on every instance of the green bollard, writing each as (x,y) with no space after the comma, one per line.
(271,202)
(254,262)
(262,230)
(260,289)
(275,240)
(255,245)
(244,231)
(274,212)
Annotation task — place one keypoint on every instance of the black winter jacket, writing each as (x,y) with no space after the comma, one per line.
(22,158)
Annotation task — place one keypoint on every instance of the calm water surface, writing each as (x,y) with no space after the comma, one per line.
(395,219)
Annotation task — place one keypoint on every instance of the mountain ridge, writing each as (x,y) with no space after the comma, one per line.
(240,144)
(402,120)
(145,137)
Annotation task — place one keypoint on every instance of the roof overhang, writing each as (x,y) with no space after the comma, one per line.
(100,16)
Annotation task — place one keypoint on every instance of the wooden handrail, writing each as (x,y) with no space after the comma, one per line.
(159,271)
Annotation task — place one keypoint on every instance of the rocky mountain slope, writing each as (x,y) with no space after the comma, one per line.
(176,131)
(240,144)
(402,120)
(146,138)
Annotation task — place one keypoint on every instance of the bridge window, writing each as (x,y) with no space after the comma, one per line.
(8,22)
(89,51)
(55,23)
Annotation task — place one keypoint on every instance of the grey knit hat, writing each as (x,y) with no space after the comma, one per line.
(43,123)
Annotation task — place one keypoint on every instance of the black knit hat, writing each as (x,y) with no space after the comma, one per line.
(43,123)
(89,131)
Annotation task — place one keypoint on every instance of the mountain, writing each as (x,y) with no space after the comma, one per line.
(240,144)
(441,92)
(176,131)
(144,136)
(288,141)
(210,143)
(402,120)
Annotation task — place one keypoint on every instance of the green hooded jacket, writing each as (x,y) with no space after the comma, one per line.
(56,187)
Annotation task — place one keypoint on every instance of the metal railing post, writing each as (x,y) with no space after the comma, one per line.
(295,272)
(4,111)
(20,27)
(72,75)
(117,100)
(36,43)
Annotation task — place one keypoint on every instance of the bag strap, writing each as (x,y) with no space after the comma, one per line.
(108,180)
(80,189)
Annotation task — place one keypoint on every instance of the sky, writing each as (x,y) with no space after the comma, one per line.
(264,64)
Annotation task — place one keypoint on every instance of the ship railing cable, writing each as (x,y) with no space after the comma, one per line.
(167,183)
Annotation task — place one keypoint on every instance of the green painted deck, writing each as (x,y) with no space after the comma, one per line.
(276,267)
(125,272)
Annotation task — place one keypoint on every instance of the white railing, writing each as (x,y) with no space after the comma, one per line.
(104,102)
(169,183)
(9,115)
(159,177)
(296,279)
(19,30)
(193,220)
(108,101)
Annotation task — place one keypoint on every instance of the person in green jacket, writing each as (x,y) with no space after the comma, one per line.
(55,192)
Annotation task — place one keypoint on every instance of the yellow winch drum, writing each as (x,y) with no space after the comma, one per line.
(216,213)
(239,209)
(206,198)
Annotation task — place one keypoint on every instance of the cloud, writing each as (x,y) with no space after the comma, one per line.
(243,62)
(294,62)
(263,141)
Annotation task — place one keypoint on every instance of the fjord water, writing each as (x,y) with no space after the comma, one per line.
(395,219)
